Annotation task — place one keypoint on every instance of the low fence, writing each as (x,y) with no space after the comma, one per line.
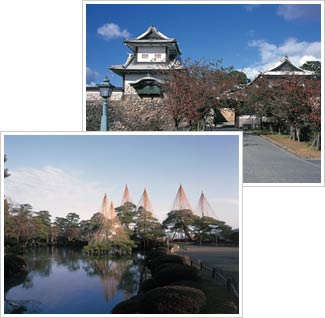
(218,244)
(216,273)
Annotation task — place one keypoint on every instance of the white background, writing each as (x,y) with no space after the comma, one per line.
(41,90)
(41,65)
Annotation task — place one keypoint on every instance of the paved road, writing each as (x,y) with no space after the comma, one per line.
(266,163)
(226,258)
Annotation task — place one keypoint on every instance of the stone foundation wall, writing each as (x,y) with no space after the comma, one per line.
(132,113)
(129,89)
(94,95)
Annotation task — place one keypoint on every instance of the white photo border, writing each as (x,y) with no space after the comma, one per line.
(242,2)
(240,215)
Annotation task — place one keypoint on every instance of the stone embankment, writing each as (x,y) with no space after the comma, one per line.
(131,113)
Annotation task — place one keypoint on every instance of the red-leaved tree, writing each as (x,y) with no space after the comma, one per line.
(300,100)
(191,91)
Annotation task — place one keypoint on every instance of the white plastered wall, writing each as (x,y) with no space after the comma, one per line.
(151,54)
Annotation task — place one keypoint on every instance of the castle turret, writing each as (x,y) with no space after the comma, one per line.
(144,71)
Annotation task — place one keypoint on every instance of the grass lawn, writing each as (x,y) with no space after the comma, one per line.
(301,149)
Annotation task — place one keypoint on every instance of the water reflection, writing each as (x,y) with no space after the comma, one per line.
(115,275)
(64,281)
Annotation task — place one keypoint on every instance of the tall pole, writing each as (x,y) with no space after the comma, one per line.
(104,121)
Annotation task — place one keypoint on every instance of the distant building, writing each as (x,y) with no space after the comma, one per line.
(284,70)
(153,53)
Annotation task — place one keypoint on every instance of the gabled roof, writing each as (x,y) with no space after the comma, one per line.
(129,59)
(286,67)
(152,33)
(153,37)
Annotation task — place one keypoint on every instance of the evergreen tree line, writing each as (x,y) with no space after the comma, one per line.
(26,227)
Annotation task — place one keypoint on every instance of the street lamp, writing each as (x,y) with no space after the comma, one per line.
(105,90)
(214,230)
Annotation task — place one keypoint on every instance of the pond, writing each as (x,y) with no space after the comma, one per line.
(65,281)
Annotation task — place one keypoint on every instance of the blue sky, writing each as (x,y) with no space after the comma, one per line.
(65,174)
(252,38)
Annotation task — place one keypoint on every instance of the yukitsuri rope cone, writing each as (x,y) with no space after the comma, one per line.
(126,196)
(181,201)
(145,201)
(110,228)
(203,208)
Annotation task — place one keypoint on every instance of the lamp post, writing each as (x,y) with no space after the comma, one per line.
(214,230)
(105,90)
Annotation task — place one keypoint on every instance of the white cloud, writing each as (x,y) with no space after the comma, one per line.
(91,84)
(306,58)
(299,11)
(91,76)
(251,7)
(270,54)
(251,32)
(111,31)
(60,192)
(55,190)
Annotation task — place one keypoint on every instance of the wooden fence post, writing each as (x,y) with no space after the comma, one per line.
(228,284)
(214,272)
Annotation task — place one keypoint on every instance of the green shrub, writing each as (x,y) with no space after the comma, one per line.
(131,306)
(172,272)
(156,253)
(126,245)
(13,246)
(158,261)
(14,265)
(165,300)
(187,283)
(147,285)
